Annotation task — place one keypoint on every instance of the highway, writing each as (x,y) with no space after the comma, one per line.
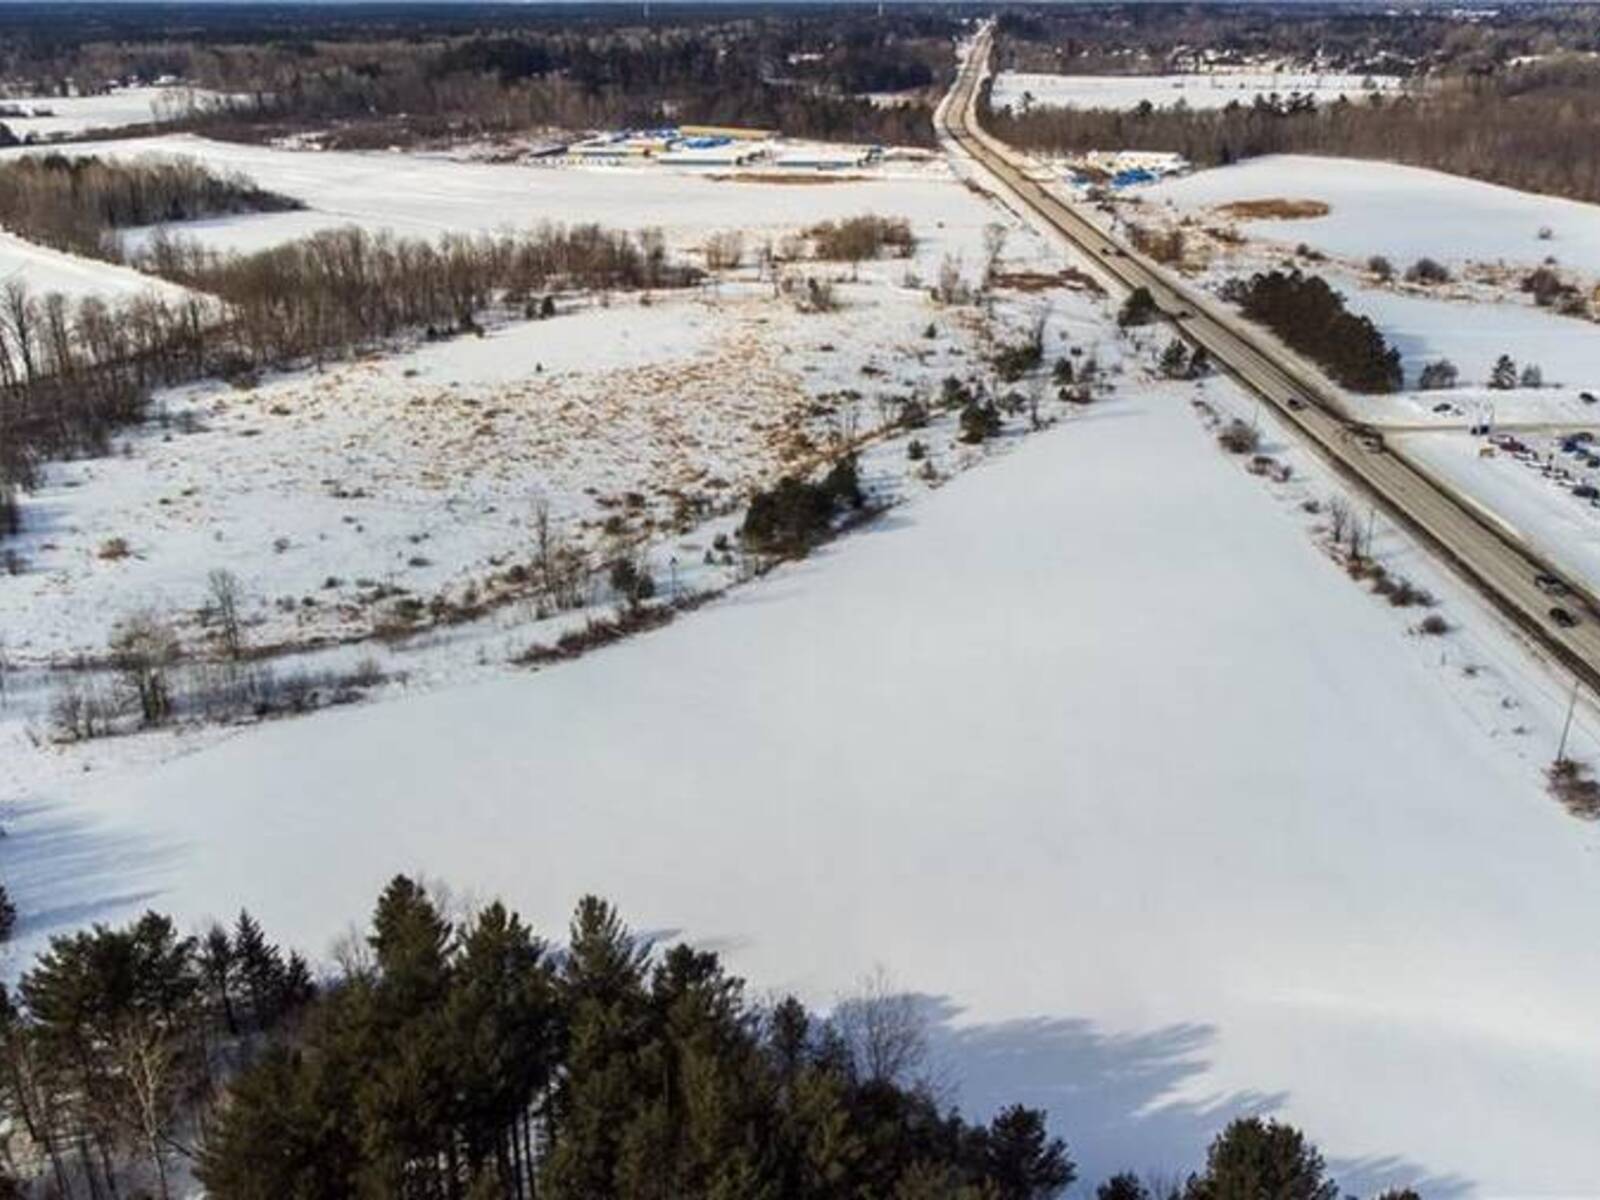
(1488,556)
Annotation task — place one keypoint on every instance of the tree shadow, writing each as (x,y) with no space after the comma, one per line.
(64,870)
(1112,1095)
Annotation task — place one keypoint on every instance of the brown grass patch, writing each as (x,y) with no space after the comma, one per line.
(1043,281)
(1275,208)
(785,178)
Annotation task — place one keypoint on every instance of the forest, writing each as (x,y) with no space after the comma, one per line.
(461,1056)
(487,71)
(1512,99)
(76,203)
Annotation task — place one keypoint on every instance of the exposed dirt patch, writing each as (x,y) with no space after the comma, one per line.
(1274,208)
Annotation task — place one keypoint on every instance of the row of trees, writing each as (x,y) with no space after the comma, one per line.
(476,1062)
(72,374)
(340,288)
(472,1060)
(117,1043)
(74,203)
(1527,127)
(1311,317)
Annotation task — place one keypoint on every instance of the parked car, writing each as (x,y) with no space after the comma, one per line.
(1587,397)
(1586,491)
(1562,617)
(1549,585)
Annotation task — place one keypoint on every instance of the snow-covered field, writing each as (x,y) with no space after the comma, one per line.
(1091,746)
(1020,89)
(422,195)
(1398,211)
(422,469)
(82,114)
(45,270)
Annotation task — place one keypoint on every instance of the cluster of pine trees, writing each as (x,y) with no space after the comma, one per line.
(474,1061)
(1311,317)
(118,1040)
(73,203)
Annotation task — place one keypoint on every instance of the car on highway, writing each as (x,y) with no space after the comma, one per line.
(1295,403)
(1562,618)
(1550,585)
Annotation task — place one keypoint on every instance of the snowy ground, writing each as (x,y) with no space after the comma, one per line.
(44,270)
(423,195)
(83,114)
(422,469)
(1397,211)
(1092,746)
(1020,89)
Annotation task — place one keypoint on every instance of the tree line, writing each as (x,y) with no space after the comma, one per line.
(72,374)
(1311,317)
(401,78)
(1529,127)
(76,203)
(470,1059)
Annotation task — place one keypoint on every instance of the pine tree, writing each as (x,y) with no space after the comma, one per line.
(219,965)
(602,990)
(1504,375)
(1023,1160)
(1175,360)
(1253,1158)
(1123,1186)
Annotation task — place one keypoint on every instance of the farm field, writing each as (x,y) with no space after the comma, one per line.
(1018,89)
(955,710)
(423,195)
(57,116)
(1397,211)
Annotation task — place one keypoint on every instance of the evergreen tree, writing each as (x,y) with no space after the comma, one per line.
(1504,375)
(602,989)
(1122,1186)
(1023,1160)
(1253,1159)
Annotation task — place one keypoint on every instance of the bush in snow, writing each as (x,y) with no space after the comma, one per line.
(1238,437)
(1427,271)
(1438,375)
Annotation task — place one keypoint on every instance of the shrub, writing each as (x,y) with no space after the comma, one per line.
(856,238)
(1569,781)
(1438,375)
(979,422)
(796,514)
(1427,271)
(1434,625)
(631,581)
(1381,267)
(8,915)
(1238,437)
(1138,309)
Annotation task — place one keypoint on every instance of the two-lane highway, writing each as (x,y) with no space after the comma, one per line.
(1504,569)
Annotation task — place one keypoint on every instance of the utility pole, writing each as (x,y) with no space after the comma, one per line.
(1566,728)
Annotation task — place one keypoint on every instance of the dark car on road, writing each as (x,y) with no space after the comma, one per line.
(1562,617)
